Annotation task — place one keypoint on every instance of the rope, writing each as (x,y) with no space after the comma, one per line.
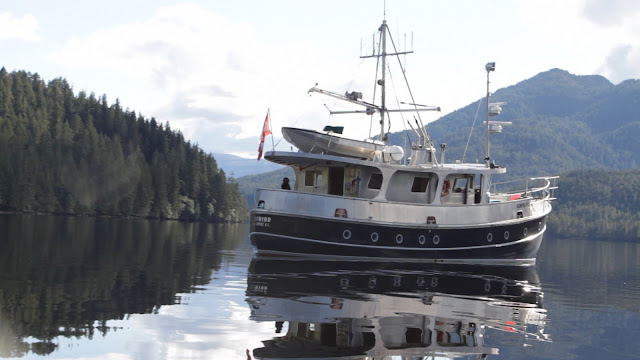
(393,85)
(471,131)
(375,82)
(407,82)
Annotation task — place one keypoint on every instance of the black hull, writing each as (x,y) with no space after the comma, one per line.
(285,278)
(285,234)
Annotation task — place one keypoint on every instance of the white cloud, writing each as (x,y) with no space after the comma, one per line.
(214,78)
(585,37)
(199,71)
(622,63)
(610,12)
(21,28)
(619,20)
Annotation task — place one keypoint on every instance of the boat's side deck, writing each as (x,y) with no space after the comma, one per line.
(398,213)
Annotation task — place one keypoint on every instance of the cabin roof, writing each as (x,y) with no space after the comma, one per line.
(302,160)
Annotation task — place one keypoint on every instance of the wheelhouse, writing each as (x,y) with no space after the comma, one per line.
(413,184)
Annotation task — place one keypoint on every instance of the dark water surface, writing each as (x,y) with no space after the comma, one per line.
(85,288)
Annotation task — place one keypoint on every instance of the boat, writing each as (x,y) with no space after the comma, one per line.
(349,309)
(329,143)
(366,199)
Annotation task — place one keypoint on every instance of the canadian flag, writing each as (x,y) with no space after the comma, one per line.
(266,130)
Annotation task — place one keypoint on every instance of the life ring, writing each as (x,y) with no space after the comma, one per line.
(445,187)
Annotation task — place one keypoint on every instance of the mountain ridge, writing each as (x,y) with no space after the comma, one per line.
(554,112)
(236,166)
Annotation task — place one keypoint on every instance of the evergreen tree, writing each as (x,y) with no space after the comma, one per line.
(70,154)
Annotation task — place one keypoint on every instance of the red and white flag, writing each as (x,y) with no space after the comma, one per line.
(266,130)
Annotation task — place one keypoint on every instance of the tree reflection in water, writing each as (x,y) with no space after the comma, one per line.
(66,276)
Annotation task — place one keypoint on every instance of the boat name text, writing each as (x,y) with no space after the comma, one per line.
(263,221)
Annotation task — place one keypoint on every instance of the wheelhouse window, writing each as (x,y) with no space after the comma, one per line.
(460,185)
(375,182)
(420,184)
(458,189)
(309,178)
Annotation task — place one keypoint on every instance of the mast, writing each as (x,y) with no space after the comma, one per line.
(381,82)
(493,109)
(489,67)
(371,108)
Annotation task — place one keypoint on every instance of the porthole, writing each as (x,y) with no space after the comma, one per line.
(540,226)
(436,239)
(506,235)
(374,236)
(525,231)
(489,237)
(346,234)
(399,238)
(487,286)
(422,239)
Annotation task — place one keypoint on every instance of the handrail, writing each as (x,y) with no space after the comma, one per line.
(546,189)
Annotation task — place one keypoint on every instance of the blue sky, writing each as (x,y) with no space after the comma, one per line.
(213,68)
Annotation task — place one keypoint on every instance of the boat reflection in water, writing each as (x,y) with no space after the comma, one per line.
(359,309)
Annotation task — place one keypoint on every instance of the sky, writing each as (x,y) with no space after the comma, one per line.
(212,68)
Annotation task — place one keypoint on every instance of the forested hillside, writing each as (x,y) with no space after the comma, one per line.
(270,180)
(597,204)
(76,154)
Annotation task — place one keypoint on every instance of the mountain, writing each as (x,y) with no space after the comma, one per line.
(235,166)
(560,121)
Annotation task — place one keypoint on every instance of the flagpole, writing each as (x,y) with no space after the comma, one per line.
(273,147)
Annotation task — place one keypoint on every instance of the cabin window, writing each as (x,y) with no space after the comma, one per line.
(459,189)
(420,184)
(413,336)
(375,182)
(368,339)
(309,178)
(460,185)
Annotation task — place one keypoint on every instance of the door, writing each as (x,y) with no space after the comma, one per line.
(336,181)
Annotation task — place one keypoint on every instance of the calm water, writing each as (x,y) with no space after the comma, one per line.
(74,288)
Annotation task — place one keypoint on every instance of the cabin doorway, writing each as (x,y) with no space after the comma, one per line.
(336,181)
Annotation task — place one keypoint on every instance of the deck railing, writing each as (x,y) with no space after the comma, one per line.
(542,187)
